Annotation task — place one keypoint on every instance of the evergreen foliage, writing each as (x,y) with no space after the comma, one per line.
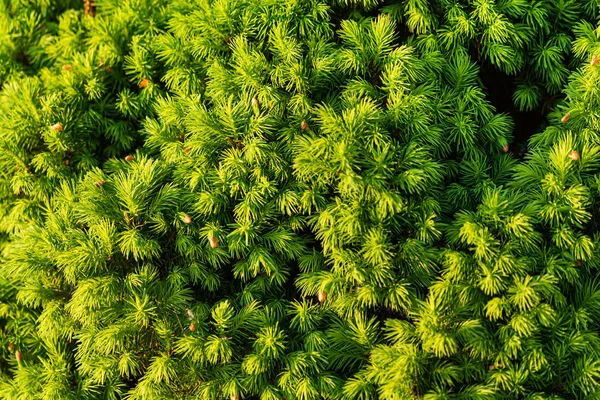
(298,199)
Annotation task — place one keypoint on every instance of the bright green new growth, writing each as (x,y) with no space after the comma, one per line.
(299,199)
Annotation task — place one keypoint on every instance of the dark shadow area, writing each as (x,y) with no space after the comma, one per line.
(499,88)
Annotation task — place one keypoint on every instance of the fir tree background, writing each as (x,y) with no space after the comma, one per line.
(299,199)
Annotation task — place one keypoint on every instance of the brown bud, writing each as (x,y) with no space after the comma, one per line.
(255,102)
(57,127)
(109,69)
(505,148)
(234,397)
(578,263)
(129,158)
(18,356)
(304,126)
(321,296)
(594,60)
(100,182)
(144,82)
(574,155)
(186,150)
(193,327)
(66,160)
(214,242)
(187,219)
(67,67)
(89,7)
(11,347)
(566,118)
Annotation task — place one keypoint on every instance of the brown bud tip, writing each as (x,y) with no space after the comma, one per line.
(491,367)
(100,182)
(187,219)
(18,356)
(129,158)
(66,161)
(578,263)
(505,148)
(214,242)
(57,127)
(321,296)
(234,397)
(67,67)
(193,327)
(574,155)
(144,82)
(186,150)
(594,60)
(304,126)
(11,347)
(109,69)
(254,102)
(566,117)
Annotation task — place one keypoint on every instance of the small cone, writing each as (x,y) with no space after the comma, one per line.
(18,356)
(214,242)
(321,296)
(193,327)
(144,82)
(574,155)
(304,126)
(594,60)
(57,127)
(254,102)
(129,158)
(566,118)
(67,67)
(505,148)
(11,347)
(187,219)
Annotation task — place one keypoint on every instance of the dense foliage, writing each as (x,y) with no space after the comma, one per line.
(299,199)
